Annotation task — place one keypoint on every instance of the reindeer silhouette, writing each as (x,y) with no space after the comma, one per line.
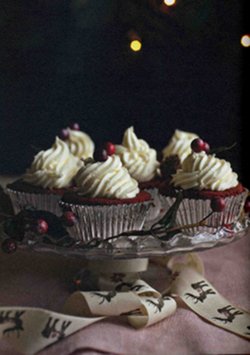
(248,333)
(198,286)
(105,297)
(51,331)
(158,304)
(5,317)
(227,312)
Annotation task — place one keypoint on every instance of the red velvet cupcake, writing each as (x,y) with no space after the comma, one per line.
(107,201)
(207,184)
(44,183)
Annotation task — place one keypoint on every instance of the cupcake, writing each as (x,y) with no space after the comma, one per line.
(141,162)
(80,144)
(107,201)
(43,184)
(207,184)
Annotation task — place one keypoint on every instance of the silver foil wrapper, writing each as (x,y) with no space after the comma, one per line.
(104,221)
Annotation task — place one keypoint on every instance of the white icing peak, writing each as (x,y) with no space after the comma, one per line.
(53,168)
(80,144)
(204,171)
(137,156)
(109,179)
(179,144)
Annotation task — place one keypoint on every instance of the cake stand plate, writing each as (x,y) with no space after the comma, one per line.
(143,246)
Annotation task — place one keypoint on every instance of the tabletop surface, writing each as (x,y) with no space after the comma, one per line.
(42,280)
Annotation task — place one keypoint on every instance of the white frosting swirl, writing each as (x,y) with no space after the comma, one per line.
(179,144)
(53,168)
(109,179)
(137,157)
(202,171)
(80,144)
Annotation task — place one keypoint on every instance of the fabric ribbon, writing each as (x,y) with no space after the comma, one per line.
(29,330)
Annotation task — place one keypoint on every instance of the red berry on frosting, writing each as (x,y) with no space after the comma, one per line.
(9,246)
(197,145)
(100,154)
(110,148)
(64,134)
(247,205)
(69,218)
(75,126)
(42,226)
(206,147)
(218,204)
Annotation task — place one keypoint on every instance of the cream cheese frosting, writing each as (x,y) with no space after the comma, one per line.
(137,157)
(204,171)
(179,144)
(80,144)
(53,168)
(109,179)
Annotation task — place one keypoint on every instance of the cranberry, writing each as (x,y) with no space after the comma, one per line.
(75,126)
(110,148)
(218,204)
(64,134)
(247,205)
(206,147)
(42,226)
(69,218)
(100,155)
(198,145)
(9,246)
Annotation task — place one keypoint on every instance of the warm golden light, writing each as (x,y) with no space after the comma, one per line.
(245,41)
(135,45)
(169,2)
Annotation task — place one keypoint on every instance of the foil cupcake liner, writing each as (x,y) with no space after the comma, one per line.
(45,202)
(192,211)
(104,221)
(155,210)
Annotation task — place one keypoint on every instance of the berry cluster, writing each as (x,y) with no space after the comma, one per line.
(102,153)
(36,224)
(64,133)
(198,145)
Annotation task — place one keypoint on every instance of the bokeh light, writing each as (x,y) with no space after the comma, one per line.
(245,40)
(135,45)
(169,2)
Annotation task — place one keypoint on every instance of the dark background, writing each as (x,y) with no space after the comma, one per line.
(64,61)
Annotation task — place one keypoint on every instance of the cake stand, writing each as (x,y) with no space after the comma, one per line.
(122,259)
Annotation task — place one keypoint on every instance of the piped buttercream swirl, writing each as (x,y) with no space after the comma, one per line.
(53,168)
(137,157)
(109,179)
(179,144)
(203,171)
(80,144)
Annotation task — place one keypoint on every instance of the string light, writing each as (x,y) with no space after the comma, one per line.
(169,2)
(135,45)
(245,41)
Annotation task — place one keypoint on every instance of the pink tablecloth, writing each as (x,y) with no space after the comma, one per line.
(32,279)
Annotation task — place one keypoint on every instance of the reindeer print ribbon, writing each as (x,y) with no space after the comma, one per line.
(32,329)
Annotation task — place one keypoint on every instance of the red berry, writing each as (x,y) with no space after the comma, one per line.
(110,148)
(217,204)
(206,147)
(9,246)
(69,218)
(247,205)
(64,134)
(100,155)
(41,226)
(75,126)
(197,145)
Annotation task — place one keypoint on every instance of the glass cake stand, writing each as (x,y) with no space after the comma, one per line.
(141,246)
